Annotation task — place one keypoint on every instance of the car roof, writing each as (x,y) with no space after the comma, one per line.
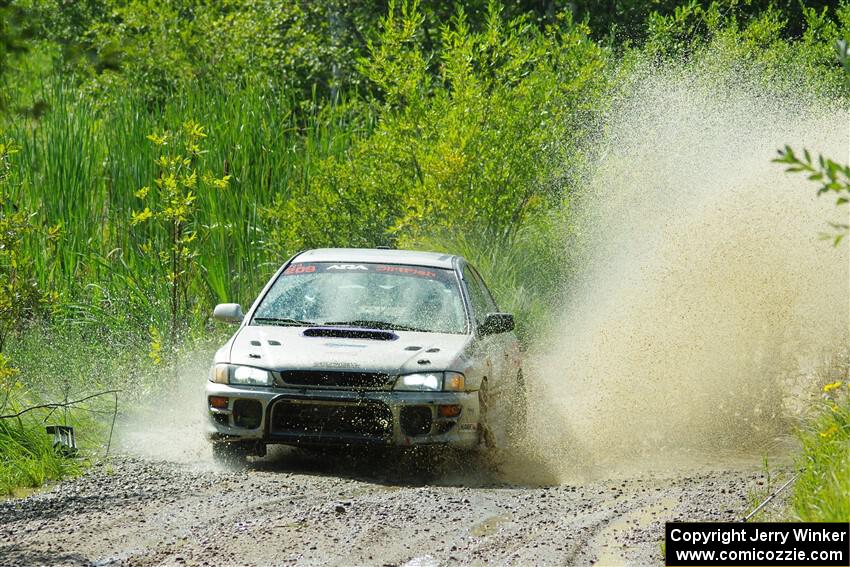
(378,256)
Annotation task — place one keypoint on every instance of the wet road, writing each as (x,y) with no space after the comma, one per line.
(294,508)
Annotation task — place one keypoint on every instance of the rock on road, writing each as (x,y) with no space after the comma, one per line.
(298,509)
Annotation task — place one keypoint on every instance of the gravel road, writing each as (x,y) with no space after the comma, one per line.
(302,509)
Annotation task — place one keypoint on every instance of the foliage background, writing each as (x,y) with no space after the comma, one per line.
(464,127)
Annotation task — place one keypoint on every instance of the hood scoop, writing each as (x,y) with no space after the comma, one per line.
(350,333)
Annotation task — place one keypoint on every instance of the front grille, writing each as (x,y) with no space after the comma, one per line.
(366,419)
(336,379)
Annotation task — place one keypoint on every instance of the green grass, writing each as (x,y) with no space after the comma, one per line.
(27,458)
(822,492)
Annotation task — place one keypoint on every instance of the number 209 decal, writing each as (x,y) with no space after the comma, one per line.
(300,269)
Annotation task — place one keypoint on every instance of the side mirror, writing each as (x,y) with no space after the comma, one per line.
(496,323)
(228,313)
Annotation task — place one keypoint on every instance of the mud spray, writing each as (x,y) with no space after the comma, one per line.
(168,421)
(708,306)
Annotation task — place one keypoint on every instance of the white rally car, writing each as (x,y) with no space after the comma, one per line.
(376,347)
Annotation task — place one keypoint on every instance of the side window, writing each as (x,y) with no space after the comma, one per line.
(482,304)
(491,303)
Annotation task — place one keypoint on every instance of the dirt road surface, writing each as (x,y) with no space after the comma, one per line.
(294,508)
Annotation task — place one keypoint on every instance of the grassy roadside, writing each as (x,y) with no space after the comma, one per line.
(92,362)
(822,492)
(28,459)
(29,379)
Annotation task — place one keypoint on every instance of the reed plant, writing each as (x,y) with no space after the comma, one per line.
(81,168)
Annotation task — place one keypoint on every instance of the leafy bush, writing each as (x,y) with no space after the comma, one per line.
(728,38)
(472,147)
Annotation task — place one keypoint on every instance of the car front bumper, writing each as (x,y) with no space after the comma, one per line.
(330,417)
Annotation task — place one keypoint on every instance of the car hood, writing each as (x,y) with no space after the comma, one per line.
(292,348)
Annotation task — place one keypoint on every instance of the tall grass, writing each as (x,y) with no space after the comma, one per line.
(80,166)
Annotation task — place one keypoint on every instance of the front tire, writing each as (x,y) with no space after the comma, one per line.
(230,453)
(486,437)
(518,425)
(503,422)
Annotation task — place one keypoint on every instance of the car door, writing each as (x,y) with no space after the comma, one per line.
(506,344)
(489,347)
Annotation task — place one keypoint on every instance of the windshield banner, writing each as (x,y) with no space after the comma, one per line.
(300,268)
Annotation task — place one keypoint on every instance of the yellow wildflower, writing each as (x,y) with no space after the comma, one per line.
(140,216)
(832,430)
(159,140)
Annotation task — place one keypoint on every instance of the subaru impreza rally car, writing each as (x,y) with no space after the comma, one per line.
(375,347)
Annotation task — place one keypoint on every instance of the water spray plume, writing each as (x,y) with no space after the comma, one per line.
(707,303)
(168,422)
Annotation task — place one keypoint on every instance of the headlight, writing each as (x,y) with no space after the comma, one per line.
(241,375)
(431,382)
(423,381)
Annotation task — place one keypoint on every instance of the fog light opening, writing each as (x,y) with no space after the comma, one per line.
(218,402)
(452,410)
(247,413)
(415,420)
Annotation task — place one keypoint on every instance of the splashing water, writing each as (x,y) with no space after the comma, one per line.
(168,422)
(708,301)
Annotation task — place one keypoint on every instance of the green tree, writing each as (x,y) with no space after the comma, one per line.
(467,141)
(170,205)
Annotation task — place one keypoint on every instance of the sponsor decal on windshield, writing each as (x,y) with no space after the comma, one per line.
(406,270)
(331,268)
(337,267)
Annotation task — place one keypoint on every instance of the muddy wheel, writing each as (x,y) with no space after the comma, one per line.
(519,410)
(231,454)
(486,437)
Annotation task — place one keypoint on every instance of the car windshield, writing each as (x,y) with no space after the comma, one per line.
(377,296)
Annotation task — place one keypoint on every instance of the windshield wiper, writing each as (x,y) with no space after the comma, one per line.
(283,322)
(384,325)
